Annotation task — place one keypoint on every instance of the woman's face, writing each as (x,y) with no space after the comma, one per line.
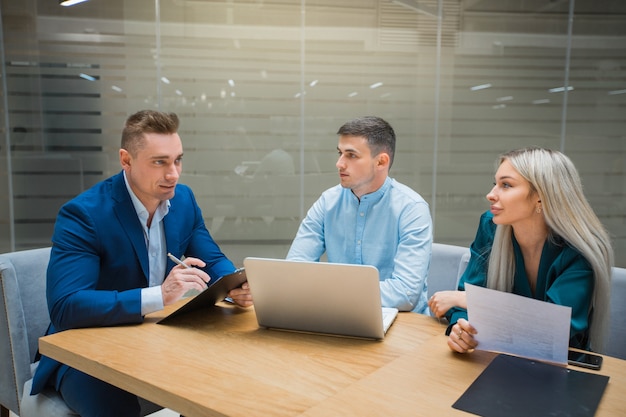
(511,198)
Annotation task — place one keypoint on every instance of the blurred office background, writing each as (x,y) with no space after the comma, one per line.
(261,87)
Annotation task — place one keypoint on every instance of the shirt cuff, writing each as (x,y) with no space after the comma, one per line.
(151,300)
(453,315)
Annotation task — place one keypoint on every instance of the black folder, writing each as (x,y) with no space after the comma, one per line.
(512,386)
(216,291)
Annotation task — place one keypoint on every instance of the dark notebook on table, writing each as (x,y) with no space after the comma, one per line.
(511,386)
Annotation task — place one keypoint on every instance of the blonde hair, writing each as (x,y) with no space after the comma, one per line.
(567,213)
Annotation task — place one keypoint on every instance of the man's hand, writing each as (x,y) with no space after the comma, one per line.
(241,296)
(182,279)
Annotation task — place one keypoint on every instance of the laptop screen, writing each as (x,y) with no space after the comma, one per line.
(318,297)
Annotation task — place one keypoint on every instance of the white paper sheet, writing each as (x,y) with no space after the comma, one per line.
(517,325)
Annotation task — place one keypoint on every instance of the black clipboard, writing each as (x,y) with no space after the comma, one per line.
(512,386)
(217,291)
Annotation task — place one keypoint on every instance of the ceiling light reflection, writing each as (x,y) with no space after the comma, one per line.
(376,85)
(480,87)
(560,89)
(67,3)
(87,77)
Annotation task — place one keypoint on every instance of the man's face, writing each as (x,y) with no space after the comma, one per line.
(154,170)
(358,169)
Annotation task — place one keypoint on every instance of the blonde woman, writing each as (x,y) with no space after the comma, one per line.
(540,239)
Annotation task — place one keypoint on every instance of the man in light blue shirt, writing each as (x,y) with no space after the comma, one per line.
(371,219)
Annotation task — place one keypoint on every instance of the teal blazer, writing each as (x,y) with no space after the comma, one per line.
(565,278)
(99,261)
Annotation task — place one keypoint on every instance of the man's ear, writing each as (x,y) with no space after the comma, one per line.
(383,160)
(125,158)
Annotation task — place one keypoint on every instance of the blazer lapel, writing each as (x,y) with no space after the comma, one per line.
(172,229)
(127,217)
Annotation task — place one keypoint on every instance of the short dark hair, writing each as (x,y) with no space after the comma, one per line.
(147,121)
(379,134)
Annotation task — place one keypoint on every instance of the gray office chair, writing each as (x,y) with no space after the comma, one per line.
(447,264)
(23,319)
(616,344)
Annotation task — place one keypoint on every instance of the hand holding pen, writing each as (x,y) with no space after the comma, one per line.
(177,261)
(183,278)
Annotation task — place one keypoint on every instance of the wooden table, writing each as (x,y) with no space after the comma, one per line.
(219,363)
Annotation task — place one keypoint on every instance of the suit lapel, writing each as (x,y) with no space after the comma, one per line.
(127,216)
(171,229)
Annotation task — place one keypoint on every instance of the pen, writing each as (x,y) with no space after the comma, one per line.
(177,261)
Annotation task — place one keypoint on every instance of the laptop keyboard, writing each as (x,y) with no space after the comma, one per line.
(389,315)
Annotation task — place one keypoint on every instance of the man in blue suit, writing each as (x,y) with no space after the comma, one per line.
(109,265)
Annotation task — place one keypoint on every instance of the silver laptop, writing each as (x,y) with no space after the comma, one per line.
(318,297)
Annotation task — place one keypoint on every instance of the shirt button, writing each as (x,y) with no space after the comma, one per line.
(362,214)
(358,242)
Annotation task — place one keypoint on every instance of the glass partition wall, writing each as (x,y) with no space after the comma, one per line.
(261,87)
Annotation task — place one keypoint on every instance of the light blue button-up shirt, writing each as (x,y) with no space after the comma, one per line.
(390,229)
(152,296)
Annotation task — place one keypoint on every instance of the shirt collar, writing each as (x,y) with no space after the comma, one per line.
(162,209)
(378,194)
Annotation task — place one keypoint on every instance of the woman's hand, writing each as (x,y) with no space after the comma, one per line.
(442,301)
(461,338)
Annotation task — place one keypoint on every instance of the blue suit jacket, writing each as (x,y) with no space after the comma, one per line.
(99,260)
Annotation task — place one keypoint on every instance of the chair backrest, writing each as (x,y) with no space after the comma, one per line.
(23,319)
(447,264)
(616,344)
